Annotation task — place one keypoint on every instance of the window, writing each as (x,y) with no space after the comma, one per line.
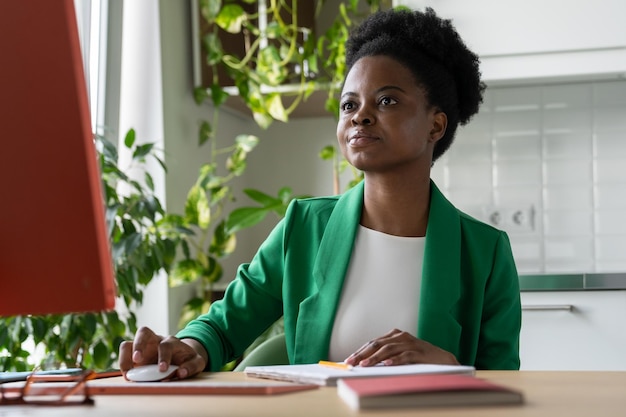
(92,17)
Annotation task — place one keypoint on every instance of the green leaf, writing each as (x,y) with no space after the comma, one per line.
(142,150)
(285,195)
(197,210)
(213,48)
(114,324)
(39,329)
(218,194)
(274,105)
(200,94)
(129,140)
(236,163)
(88,326)
(210,8)
(332,106)
(204,212)
(132,242)
(244,217)
(218,95)
(270,67)
(327,153)
(131,322)
(247,142)
(101,355)
(205,133)
(186,270)
(230,18)
(149,181)
(213,272)
(4,334)
(261,197)
(223,243)
(274,30)
(107,149)
(191,310)
(205,171)
(262,119)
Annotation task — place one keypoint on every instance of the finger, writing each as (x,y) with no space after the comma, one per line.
(145,346)
(368,349)
(126,356)
(167,348)
(404,358)
(361,356)
(382,354)
(191,367)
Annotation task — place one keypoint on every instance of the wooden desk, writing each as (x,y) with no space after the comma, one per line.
(554,394)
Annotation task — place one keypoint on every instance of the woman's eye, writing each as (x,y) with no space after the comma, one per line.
(348,105)
(387,101)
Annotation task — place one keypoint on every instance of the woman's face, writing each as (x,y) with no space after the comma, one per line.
(385,121)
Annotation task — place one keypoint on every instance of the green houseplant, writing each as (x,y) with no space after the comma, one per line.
(145,239)
(283,61)
(140,246)
(207,231)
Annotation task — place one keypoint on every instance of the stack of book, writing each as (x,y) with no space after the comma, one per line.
(424,391)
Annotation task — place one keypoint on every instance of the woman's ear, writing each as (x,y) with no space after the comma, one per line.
(439,125)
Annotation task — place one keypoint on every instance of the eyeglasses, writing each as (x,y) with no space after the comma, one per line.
(39,390)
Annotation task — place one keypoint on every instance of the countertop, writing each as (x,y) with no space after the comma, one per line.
(573,282)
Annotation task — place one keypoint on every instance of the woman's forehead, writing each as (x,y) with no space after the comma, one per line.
(375,71)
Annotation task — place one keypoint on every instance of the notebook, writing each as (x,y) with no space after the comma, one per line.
(424,391)
(328,376)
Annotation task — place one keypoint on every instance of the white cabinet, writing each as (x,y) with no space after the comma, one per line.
(573,330)
(538,39)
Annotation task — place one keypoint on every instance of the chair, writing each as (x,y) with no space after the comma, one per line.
(272,351)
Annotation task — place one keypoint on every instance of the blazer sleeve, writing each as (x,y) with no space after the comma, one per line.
(498,347)
(251,303)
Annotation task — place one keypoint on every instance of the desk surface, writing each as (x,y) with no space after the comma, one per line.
(553,393)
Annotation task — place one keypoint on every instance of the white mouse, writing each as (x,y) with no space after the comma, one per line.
(150,373)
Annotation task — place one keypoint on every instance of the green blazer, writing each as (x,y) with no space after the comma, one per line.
(469,302)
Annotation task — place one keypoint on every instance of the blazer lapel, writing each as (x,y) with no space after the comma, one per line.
(317,312)
(441,274)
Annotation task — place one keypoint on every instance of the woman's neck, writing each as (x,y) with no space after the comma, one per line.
(396,207)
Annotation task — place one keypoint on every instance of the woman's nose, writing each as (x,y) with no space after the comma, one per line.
(362,117)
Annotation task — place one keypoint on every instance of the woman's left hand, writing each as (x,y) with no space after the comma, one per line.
(399,348)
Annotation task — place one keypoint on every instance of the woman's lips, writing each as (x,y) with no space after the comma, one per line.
(361,140)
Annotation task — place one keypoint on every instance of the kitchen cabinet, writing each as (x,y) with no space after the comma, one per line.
(539,40)
(573,330)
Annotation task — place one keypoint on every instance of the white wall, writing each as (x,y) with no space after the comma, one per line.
(537,39)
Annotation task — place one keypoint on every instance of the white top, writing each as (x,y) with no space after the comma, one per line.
(381,290)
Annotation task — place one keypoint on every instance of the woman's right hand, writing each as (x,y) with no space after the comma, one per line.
(149,348)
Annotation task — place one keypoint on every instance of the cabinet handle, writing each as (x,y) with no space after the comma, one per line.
(548,307)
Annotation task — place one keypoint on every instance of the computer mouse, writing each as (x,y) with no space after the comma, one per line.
(150,373)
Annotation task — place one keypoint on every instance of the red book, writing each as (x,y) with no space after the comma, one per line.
(424,391)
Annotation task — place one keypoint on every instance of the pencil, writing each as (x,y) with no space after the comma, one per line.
(338,365)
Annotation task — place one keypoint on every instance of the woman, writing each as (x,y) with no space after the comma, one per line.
(390,271)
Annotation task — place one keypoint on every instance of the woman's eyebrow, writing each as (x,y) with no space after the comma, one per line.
(377,91)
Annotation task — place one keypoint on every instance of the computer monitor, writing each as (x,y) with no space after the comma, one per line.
(54,249)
